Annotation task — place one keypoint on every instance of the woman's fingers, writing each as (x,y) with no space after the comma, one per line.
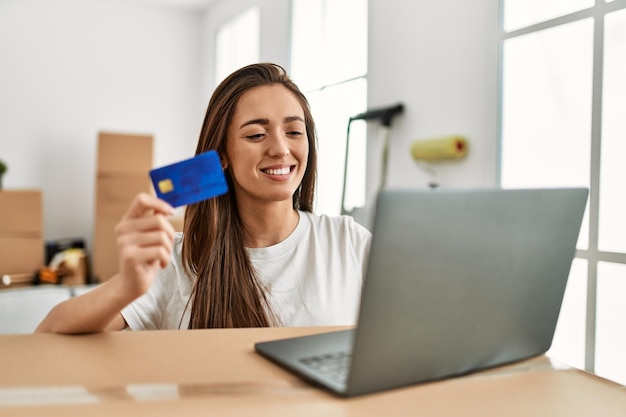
(145,241)
(146,259)
(137,239)
(149,239)
(144,204)
(145,224)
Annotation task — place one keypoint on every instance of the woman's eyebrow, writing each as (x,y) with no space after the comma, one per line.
(287,119)
(293,119)
(255,122)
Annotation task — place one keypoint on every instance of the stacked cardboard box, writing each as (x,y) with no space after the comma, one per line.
(21,236)
(124,161)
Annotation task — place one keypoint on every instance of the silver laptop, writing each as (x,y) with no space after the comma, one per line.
(457,281)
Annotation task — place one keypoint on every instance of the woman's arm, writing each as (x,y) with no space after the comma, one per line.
(94,311)
(145,241)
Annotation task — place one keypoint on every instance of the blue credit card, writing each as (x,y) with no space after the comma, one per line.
(190,181)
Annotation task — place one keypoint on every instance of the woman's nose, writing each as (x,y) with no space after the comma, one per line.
(278,146)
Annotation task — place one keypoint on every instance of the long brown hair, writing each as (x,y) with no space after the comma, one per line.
(227,292)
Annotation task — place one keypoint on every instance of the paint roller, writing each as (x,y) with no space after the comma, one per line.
(439,149)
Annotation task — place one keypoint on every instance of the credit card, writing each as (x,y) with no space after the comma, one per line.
(190,181)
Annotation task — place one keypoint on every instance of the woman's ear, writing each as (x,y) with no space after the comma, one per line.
(224,163)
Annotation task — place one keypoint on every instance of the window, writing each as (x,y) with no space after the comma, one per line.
(329,63)
(522,13)
(237,43)
(612,220)
(562,99)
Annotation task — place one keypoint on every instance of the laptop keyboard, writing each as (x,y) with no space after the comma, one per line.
(334,366)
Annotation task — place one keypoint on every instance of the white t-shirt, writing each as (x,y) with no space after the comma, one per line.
(314,278)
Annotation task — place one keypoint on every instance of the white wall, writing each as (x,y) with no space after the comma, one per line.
(70,68)
(274,33)
(440,60)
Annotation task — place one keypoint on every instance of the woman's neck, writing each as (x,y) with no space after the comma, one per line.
(268,224)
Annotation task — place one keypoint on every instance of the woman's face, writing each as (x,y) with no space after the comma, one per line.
(267,146)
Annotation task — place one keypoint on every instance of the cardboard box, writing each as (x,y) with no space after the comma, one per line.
(20,254)
(124,162)
(104,263)
(115,192)
(124,153)
(21,212)
(136,374)
(21,231)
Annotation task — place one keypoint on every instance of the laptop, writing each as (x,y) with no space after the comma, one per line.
(457,281)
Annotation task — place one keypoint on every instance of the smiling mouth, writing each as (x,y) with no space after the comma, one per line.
(277,171)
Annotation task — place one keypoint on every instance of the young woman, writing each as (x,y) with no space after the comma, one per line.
(256,256)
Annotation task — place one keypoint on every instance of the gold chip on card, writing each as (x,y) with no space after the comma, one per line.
(165,186)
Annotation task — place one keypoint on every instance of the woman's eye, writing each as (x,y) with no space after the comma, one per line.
(256,136)
(294,133)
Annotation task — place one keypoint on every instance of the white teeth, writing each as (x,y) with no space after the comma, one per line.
(281,171)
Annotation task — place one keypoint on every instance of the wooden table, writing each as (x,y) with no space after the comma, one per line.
(217,372)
